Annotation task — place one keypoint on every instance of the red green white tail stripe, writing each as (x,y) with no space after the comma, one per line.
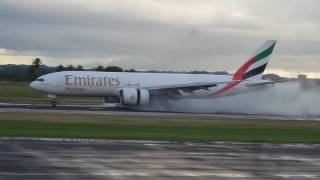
(256,65)
(253,68)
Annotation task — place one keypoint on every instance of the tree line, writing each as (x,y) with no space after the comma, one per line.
(13,72)
(98,68)
(35,68)
(21,72)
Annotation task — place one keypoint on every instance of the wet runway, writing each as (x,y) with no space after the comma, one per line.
(25,158)
(27,107)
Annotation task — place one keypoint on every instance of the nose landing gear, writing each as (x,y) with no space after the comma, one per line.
(54,103)
(53,100)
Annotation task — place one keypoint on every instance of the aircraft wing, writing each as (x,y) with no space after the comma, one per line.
(268,82)
(185,87)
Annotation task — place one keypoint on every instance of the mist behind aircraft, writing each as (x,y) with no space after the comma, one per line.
(285,99)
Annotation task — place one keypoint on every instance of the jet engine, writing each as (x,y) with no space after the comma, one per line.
(133,96)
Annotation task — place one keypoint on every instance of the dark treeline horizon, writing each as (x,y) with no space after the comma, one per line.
(22,72)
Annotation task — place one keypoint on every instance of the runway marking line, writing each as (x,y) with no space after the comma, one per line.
(310,176)
(142,174)
(210,153)
(166,173)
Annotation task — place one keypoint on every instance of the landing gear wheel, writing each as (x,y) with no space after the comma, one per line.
(54,103)
(53,99)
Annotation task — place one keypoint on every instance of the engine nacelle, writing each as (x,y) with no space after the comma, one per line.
(133,96)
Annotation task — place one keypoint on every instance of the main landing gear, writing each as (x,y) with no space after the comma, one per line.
(53,100)
(54,103)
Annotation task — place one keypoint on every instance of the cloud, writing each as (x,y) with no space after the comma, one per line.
(166,35)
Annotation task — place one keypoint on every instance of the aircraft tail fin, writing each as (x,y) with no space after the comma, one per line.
(255,66)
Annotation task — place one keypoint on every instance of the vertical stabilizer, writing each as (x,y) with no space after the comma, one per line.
(255,66)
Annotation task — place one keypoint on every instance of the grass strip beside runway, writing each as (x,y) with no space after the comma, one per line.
(21,91)
(157,128)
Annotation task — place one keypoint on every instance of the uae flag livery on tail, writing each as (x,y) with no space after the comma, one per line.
(252,69)
(256,65)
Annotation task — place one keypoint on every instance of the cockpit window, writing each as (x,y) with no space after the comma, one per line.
(41,80)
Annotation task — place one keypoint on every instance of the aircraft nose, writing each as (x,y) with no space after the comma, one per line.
(33,85)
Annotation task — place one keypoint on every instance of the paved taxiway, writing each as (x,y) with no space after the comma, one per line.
(25,158)
(37,107)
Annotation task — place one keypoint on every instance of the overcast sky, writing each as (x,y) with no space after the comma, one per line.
(180,35)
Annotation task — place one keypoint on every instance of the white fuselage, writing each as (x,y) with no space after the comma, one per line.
(93,83)
(140,88)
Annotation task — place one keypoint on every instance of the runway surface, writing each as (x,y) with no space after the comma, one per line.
(27,158)
(27,107)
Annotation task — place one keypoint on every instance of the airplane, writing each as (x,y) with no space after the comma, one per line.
(132,89)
